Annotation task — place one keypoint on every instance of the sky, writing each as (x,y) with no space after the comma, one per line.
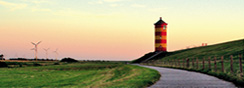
(114,29)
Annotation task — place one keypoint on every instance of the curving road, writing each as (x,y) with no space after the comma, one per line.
(174,78)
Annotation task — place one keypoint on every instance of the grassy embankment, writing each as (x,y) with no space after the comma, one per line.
(89,74)
(177,58)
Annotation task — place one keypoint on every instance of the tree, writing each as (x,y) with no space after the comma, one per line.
(68,59)
(1,57)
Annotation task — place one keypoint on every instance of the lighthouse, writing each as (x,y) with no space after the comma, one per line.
(160,36)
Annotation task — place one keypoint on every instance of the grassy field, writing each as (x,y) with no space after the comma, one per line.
(89,74)
(13,64)
(179,58)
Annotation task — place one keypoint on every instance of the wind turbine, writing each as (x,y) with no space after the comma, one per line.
(36,44)
(46,52)
(34,52)
(56,52)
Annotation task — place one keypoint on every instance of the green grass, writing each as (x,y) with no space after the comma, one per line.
(223,49)
(79,75)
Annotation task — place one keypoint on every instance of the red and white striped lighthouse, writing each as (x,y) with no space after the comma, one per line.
(161,36)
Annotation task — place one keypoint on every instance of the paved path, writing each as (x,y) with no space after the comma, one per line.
(174,78)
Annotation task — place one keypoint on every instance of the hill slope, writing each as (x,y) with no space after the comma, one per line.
(223,49)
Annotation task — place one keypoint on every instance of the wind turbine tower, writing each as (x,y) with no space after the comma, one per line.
(46,52)
(36,44)
(56,54)
(34,52)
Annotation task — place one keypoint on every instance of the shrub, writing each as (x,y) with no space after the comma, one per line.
(36,64)
(68,60)
(3,64)
(56,64)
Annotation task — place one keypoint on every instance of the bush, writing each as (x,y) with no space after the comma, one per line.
(3,64)
(68,60)
(36,64)
(56,64)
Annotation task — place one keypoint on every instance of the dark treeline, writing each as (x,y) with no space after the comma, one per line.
(25,59)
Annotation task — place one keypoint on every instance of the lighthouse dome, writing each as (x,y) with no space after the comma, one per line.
(160,22)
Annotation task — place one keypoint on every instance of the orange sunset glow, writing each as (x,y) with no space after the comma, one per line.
(114,29)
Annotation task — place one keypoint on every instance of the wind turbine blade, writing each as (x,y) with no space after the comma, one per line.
(56,53)
(39,42)
(33,43)
(46,49)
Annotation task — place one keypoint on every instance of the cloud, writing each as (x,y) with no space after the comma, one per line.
(67,12)
(95,2)
(112,0)
(37,1)
(36,5)
(41,10)
(115,5)
(12,6)
(138,5)
(111,3)
(157,9)
(70,12)
(103,1)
